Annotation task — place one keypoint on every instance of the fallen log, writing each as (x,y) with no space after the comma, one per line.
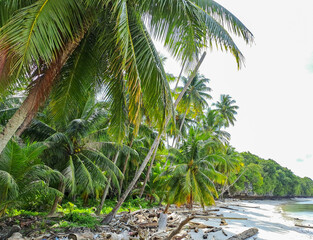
(303,226)
(178,229)
(194,225)
(244,235)
(149,225)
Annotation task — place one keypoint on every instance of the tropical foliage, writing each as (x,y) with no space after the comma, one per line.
(87,113)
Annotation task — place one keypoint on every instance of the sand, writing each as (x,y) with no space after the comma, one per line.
(266,215)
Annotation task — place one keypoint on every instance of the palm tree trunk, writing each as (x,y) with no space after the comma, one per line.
(148,174)
(125,165)
(57,199)
(3,61)
(110,216)
(191,200)
(224,186)
(233,182)
(167,207)
(37,94)
(105,193)
(174,144)
(107,187)
(154,146)
(179,76)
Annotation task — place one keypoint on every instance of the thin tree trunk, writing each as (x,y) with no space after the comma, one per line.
(167,207)
(148,174)
(57,199)
(167,141)
(174,144)
(125,165)
(223,189)
(105,193)
(234,182)
(107,187)
(37,94)
(154,146)
(180,74)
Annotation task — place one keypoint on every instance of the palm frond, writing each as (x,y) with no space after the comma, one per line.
(38,31)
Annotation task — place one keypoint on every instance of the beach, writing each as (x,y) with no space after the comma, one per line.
(266,215)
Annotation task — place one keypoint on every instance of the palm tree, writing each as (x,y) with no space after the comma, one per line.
(53,30)
(195,98)
(230,165)
(79,150)
(127,52)
(192,177)
(213,123)
(22,174)
(227,109)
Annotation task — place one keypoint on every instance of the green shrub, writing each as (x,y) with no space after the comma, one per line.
(82,219)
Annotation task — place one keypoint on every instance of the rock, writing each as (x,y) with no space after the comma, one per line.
(14,229)
(162,222)
(115,236)
(72,236)
(16,236)
(223,223)
(244,235)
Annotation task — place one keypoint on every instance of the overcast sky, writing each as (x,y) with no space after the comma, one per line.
(275,88)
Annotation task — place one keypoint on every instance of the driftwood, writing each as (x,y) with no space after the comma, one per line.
(193,225)
(148,225)
(178,229)
(303,226)
(244,235)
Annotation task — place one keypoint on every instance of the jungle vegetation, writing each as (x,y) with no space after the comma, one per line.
(88,114)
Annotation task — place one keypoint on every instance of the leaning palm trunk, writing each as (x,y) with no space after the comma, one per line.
(229,186)
(107,187)
(154,146)
(148,174)
(179,76)
(174,144)
(37,94)
(125,166)
(224,187)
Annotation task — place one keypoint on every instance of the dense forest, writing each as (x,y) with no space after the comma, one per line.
(268,178)
(89,117)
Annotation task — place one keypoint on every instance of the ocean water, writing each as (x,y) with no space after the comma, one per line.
(299,209)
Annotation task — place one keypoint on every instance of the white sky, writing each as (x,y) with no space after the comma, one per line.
(275,88)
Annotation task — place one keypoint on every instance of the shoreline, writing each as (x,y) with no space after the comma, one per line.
(247,197)
(266,215)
